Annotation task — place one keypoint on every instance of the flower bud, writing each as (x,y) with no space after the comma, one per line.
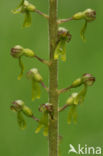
(34,74)
(78,82)
(17,51)
(27,111)
(17,105)
(88,79)
(88,15)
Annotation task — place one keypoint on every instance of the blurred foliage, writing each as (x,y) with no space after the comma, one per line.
(81,58)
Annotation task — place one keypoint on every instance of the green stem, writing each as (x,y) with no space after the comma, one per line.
(53,80)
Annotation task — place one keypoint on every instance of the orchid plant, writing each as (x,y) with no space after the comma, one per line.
(58,38)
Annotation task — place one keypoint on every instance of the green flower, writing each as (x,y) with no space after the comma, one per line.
(26,8)
(21,109)
(88,79)
(36,78)
(88,15)
(17,52)
(43,123)
(63,37)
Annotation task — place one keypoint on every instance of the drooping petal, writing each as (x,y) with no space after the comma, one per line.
(36,92)
(22,68)
(60,51)
(21,121)
(82,33)
(27,19)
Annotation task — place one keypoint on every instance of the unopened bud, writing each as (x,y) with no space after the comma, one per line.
(88,79)
(88,15)
(27,111)
(17,105)
(17,51)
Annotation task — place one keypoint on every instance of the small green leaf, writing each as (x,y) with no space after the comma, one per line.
(27,19)
(82,33)
(36,92)
(22,69)
(21,121)
(60,50)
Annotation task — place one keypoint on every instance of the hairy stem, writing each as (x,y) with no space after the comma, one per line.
(42,60)
(53,80)
(42,14)
(64,107)
(34,118)
(44,86)
(64,20)
(64,90)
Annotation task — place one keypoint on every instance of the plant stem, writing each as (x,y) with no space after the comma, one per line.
(42,14)
(64,20)
(42,60)
(64,107)
(53,80)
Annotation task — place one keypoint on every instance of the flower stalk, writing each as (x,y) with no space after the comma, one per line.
(53,80)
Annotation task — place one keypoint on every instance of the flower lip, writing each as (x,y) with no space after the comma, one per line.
(92,79)
(92,14)
(88,79)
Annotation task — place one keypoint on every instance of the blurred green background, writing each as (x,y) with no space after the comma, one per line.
(81,58)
